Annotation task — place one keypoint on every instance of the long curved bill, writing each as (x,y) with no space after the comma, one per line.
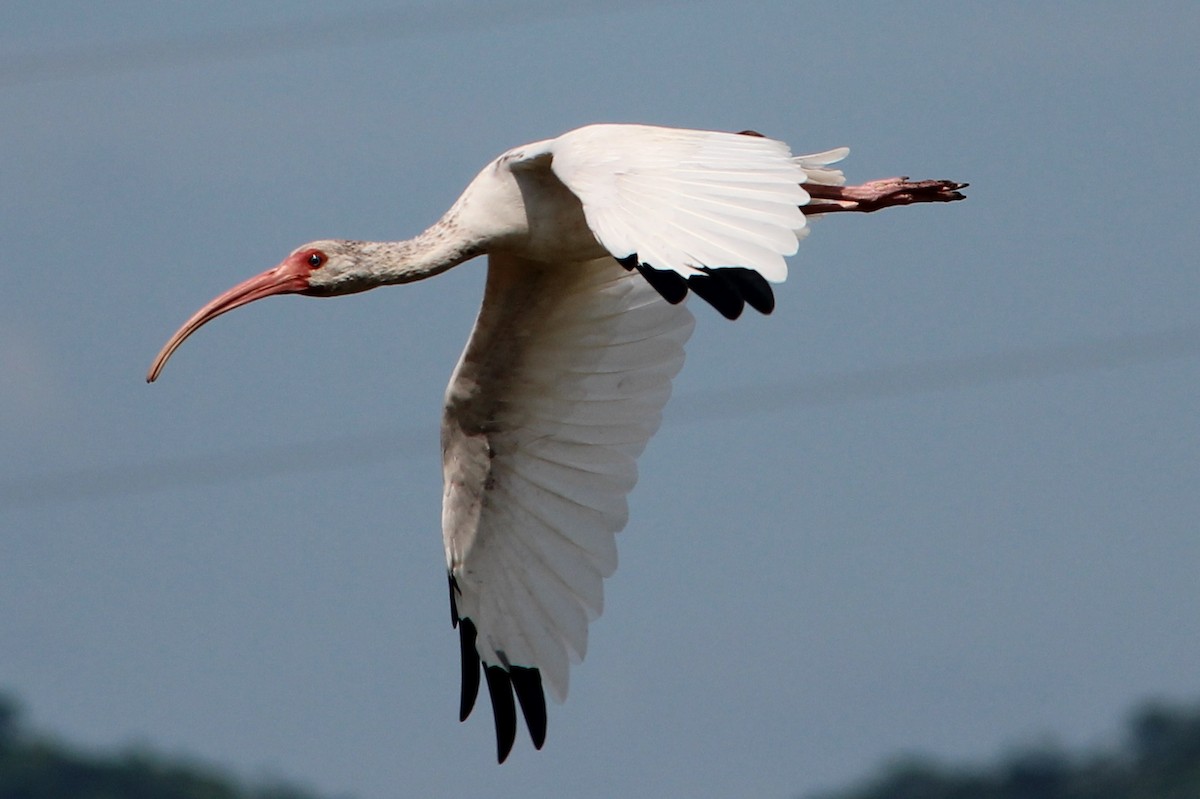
(286,278)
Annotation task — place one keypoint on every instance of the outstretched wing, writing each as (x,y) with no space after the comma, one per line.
(560,387)
(702,210)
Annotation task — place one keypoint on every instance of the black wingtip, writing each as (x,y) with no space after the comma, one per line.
(504,710)
(670,285)
(729,289)
(470,668)
(453,602)
(468,655)
(718,292)
(527,683)
(752,287)
(503,682)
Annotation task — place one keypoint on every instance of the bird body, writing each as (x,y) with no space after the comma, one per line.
(570,362)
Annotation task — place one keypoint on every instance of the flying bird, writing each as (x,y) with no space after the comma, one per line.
(593,241)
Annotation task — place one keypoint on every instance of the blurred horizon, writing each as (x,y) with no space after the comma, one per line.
(1157,754)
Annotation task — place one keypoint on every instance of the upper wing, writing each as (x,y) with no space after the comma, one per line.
(706,211)
(558,391)
(713,212)
(685,199)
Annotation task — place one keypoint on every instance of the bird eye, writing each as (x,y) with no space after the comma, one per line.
(316,259)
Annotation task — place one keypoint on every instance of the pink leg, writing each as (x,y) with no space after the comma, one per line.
(883,193)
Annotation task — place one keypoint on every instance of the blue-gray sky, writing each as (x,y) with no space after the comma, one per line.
(944,499)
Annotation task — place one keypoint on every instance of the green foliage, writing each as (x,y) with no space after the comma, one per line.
(32,767)
(1160,760)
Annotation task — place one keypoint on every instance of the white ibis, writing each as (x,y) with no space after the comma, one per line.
(593,240)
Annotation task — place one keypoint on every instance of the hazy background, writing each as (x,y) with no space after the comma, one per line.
(944,499)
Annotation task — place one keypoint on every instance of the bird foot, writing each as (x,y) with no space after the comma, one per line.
(882,193)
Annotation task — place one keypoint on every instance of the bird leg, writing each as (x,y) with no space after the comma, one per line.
(883,193)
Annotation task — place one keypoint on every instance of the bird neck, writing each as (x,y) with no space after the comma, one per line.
(437,249)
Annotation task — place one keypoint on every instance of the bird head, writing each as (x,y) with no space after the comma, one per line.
(319,269)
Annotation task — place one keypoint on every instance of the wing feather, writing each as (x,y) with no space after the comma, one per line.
(594,541)
(572,566)
(546,577)
(682,199)
(560,388)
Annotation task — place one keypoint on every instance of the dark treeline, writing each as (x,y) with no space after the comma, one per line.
(1158,759)
(37,767)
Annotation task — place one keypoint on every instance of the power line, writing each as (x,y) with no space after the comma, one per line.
(947,374)
(921,377)
(311,36)
(210,469)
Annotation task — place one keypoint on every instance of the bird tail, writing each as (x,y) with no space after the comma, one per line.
(816,166)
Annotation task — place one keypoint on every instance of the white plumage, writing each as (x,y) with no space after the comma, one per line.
(571,359)
(557,426)
(686,199)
